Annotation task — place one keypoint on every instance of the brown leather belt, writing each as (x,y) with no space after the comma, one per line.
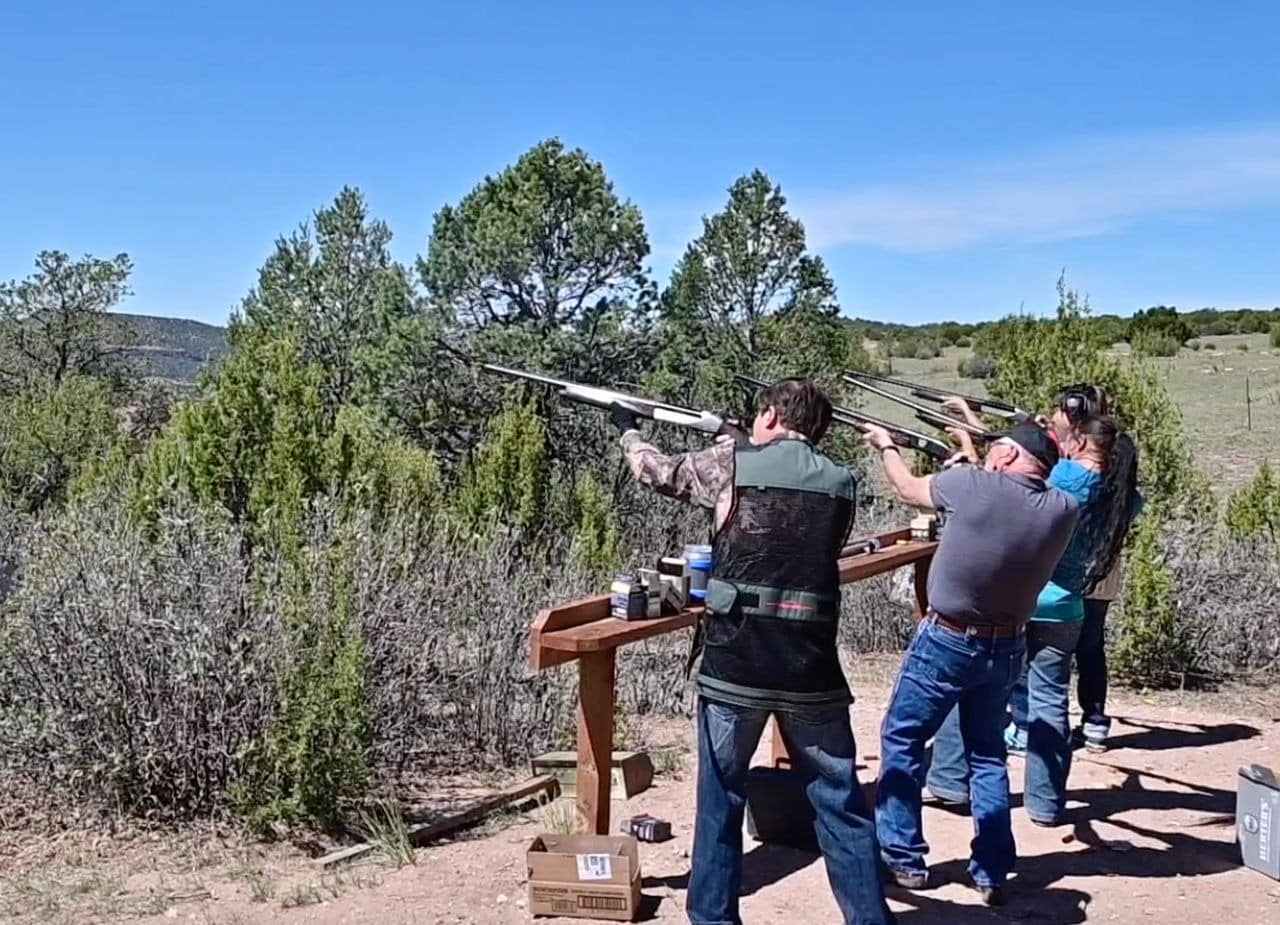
(982,630)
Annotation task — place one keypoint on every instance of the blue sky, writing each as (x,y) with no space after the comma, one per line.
(948,159)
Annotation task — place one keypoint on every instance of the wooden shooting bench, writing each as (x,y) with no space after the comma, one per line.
(585,632)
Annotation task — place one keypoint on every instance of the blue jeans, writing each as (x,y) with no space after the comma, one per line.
(1039,706)
(822,750)
(945,671)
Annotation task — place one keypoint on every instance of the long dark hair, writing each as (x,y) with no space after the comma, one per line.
(1107,520)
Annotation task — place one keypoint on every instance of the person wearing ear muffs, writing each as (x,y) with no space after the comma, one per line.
(1091,652)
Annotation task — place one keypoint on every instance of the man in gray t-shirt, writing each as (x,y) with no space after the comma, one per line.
(1004,532)
(1003,535)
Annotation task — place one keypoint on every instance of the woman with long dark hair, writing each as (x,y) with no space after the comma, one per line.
(1091,650)
(1099,468)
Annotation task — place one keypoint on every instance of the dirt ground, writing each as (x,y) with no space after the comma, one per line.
(1150,837)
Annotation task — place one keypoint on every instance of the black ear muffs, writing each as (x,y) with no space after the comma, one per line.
(1080,401)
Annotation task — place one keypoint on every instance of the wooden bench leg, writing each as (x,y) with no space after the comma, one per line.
(922,588)
(781,758)
(595,740)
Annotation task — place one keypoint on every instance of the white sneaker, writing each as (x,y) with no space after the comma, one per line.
(1095,736)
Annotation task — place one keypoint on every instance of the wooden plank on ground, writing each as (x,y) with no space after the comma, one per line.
(422,832)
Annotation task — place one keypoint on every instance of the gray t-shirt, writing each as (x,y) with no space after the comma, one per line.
(1002,537)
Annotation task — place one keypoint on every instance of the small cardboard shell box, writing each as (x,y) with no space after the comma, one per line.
(585,876)
(1258,819)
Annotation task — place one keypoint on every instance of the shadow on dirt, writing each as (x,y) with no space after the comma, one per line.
(762,866)
(1176,854)
(1152,737)
(1054,906)
(1031,894)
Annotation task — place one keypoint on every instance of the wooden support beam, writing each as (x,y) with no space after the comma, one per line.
(420,833)
(781,758)
(922,587)
(595,740)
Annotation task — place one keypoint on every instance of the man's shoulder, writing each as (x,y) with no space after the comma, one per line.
(714,460)
(1069,499)
(950,488)
(958,476)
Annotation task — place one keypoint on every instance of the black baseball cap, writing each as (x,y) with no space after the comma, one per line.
(1037,441)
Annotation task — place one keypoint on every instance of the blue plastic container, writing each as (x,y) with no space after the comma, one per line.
(698,559)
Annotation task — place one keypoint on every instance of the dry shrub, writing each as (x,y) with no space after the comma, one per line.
(140,671)
(446,618)
(132,673)
(1225,591)
(11,544)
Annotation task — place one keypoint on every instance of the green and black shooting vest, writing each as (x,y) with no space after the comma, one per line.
(773,596)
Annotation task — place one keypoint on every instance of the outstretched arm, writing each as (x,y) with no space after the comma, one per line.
(700,477)
(913,489)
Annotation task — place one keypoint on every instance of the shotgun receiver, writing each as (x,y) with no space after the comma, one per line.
(902,436)
(981,405)
(701,421)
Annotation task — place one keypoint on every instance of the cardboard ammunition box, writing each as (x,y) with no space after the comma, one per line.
(646,828)
(675,572)
(673,593)
(924,527)
(1258,819)
(585,876)
(632,772)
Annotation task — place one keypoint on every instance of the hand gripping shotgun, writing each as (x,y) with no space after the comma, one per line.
(702,421)
(902,436)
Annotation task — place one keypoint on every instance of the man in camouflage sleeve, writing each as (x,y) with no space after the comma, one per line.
(782,513)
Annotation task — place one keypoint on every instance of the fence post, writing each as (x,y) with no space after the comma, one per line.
(1248,405)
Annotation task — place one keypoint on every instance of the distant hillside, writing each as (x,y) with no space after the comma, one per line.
(172,348)
(178,349)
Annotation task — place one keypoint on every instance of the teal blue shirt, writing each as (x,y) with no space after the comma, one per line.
(1062,599)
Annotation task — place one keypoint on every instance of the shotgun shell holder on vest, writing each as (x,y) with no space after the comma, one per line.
(773,597)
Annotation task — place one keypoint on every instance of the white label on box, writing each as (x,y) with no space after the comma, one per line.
(595,867)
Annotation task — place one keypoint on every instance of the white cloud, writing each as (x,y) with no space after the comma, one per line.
(1080,189)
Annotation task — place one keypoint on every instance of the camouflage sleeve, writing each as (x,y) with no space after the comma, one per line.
(700,478)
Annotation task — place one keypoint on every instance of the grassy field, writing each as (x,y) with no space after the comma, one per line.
(1208,384)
